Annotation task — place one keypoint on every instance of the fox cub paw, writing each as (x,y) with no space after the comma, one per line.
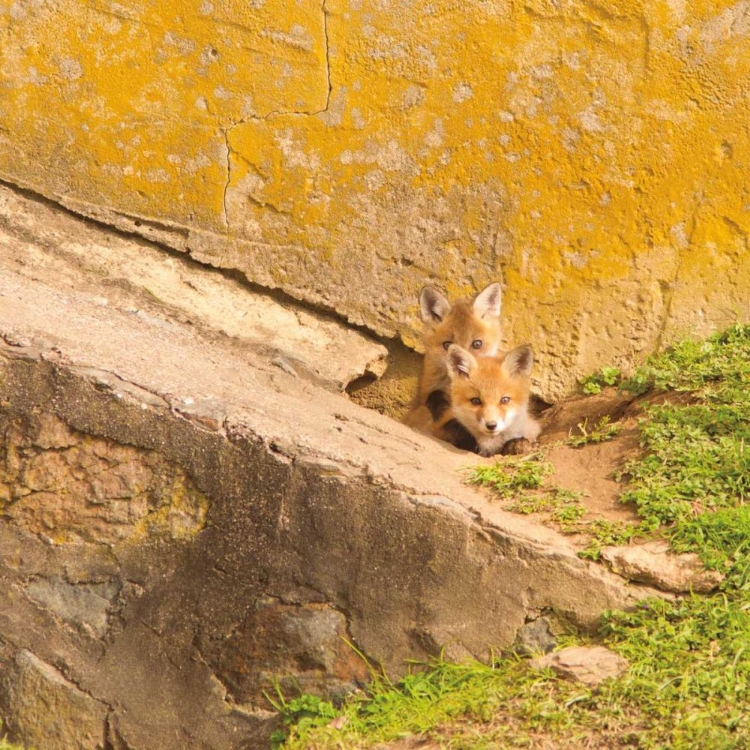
(517,447)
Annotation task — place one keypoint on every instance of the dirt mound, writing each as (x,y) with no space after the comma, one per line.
(590,469)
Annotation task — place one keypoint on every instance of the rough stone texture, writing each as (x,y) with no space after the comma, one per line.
(84,605)
(536,637)
(654,564)
(184,522)
(127,491)
(589,665)
(48,710)
(293,646)
(595,159)
(140,279)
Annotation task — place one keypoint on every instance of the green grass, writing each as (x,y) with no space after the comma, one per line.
(694,479)
(686,688)
(513,476)
(688,683)
(602,431)
(524,480)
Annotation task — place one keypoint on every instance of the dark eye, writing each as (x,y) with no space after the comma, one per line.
(476,401)
(505,400)
(446,345)
(476,344)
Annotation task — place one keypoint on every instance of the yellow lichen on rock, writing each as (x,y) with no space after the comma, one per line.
(591,155)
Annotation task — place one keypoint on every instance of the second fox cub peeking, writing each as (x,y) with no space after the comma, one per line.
(468,394)
(473,324)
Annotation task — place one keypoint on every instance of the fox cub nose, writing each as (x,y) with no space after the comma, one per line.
(491,426)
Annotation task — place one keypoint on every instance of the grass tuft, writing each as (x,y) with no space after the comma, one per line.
(512,475)
(607,376)
(602,431)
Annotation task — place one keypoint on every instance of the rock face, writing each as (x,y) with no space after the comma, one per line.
(588,665)
(347,154)
(185,524)
(654,564)
(48,710)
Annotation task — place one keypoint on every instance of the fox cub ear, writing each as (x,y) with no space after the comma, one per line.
(488,302)
(460,362)
(519,361)
(433,305)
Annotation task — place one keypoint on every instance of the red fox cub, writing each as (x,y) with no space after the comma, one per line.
(489,398)
(473,324)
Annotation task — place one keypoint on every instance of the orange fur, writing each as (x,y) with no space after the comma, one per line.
(489,396)
(473,324)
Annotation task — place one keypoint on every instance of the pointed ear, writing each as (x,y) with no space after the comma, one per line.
(433,305)
(460,363)
(519,361)
(488,302)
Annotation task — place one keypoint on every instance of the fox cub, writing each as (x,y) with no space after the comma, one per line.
(473,324)
(489,399)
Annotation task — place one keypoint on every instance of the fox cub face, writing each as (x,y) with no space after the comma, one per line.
(489,396)
(472,324)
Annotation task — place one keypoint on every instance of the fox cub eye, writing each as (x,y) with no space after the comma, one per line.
(476,401)
(476,344)
(447,345)
(505,400)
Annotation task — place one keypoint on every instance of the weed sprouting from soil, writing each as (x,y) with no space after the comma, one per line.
(524,481)
(516,474)
(607,376)
(688,682)
(602,431)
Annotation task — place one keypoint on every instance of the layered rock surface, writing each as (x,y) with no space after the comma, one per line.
(190,514)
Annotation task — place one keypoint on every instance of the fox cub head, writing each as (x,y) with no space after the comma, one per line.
(472,324)
(489,394)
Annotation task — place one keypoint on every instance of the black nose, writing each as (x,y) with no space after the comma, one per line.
(490,425)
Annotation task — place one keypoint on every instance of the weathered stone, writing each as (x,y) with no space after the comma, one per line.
(81,488)
(298,647)
(536,637)
(589,665)
(48,710)
(53,433)
(654,564)
(315,345)
(82,605)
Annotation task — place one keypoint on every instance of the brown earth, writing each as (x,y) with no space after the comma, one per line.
(590,469)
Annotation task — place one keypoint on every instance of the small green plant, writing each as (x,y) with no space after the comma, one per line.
(507,477)
(303,713)
(523,481)
(606,376)
(602,431)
